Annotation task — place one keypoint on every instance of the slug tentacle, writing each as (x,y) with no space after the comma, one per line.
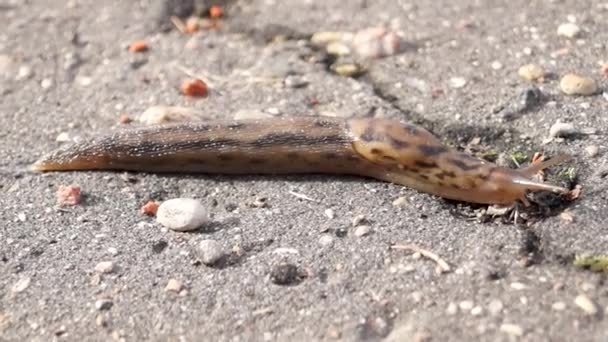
(384,149)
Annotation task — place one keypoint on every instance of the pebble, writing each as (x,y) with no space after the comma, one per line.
(182,214)
(326,240)
(113,251)
(326,37)
(457,82)
(573,84)
(210,251)
(476,311)
(496,65)
(569,30)
(337,49)
(592,150)
(452,309)
(293,81)
(562,129)
(376,42)
(524,102)
(518,286)
(362,230)
(247,114)
(330,213)
(531,72)
(558,306)
(21,285)
(348,69)
(400,201)
(103,304)
(466,305)
(46,83)
(104,267)
(495,307)
(174,285)
(25,72)
(586,304)
(166,114)
(63,137)
(512,329)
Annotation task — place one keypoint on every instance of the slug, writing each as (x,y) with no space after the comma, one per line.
(383,149)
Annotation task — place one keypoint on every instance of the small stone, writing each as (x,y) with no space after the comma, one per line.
(359,220)
(496,65)
(457,82)
(273,111)
(568,30)
(348,69)
(330,213)
(103,304)
(476,311)
(285,274)
(586,304)
(512,329)
(572,84)
(326,240)
(333,332)
(416,296)
(21,285)
(562,129)
(466,305)
(495,307)
(337,49)
(63,137)
(558,306)
(159,246)
(452,309)
(250,114)
(400,201)
(101,321)
(362,230)
(113,251)
(376,42)
(182,214)
(326,37)
(210,251)
(68,195)
(592,150)
(46,83)
(25,72)
(292,81)
(174,285)
(531,72)
(104,267)
(518,286)
(166,114)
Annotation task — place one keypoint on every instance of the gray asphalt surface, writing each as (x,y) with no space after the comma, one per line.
(508,282)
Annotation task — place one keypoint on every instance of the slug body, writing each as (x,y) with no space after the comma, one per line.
(384,149)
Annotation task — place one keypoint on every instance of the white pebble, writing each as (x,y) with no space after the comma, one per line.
(562,129)
(326,240)
(495,307)
(210,251)
(166,114)
(46,83)
(103,304)
(174,285)
(330,213)
(466,305)
(569,30)
(518,286)
(104,267)
(586,304)
(476,311)
(452,309)
(182,214)
(362,230)
(21,285)
(113,251)
(457,82)
(248,114)
(592,150)
(63,137)
(512,329)
(25,72)
(572,84)
(558,306)
(531,72)
(496,65)
(376,42)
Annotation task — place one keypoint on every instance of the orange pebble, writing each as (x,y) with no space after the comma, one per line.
(124,119)
(192,25)
(195,87)
(68,195)
(150,208)
(138,46)
(216,11)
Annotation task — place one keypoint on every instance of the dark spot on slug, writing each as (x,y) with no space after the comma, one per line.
(236,125)
(353,159)
(463,166)
(375,151)
(448,174)
(455,186)
(431,150)
(225,157)
(425,165)
(389,158)
(398,144)
(292,155)
(423,176)
(330,155)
